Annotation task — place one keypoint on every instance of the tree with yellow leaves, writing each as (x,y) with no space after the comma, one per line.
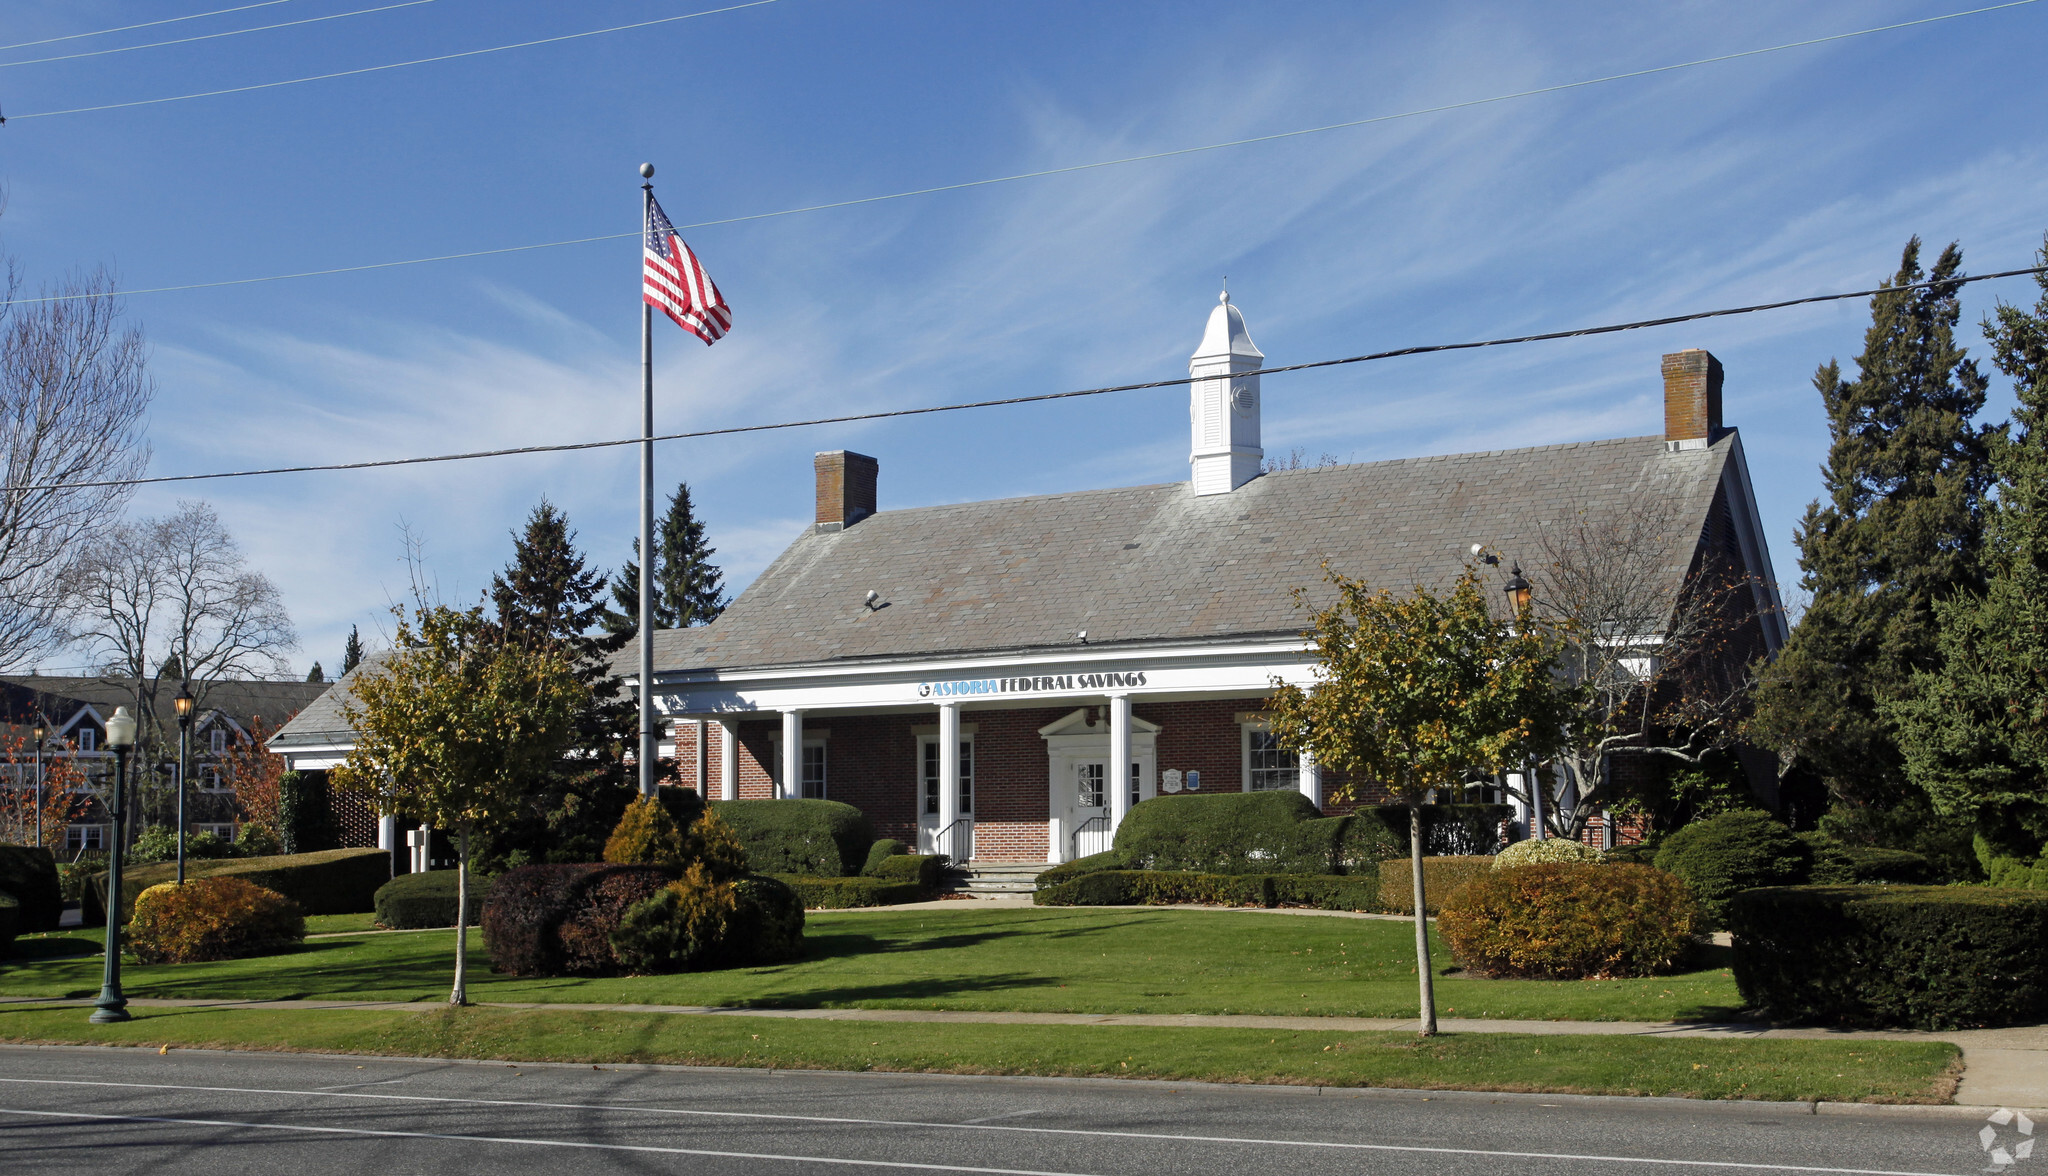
(456,726)
(1412,692)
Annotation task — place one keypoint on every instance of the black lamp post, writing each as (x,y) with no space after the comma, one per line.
(42,732)
(184,704)
(112,1006)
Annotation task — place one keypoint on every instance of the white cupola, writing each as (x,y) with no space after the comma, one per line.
(1223,404)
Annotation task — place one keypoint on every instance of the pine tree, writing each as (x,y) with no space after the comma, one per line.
(352,653)
(548,597)
(1906,478)
(1975,732)
(688,588)
(316,674)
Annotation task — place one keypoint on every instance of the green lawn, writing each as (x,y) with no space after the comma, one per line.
(1847,1071)
(1039,960)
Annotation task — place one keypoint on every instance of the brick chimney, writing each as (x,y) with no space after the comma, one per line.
(846,488)
(1692,399)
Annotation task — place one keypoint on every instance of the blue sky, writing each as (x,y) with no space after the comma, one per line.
(1767,177)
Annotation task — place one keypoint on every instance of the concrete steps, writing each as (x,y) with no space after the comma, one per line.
(981,878)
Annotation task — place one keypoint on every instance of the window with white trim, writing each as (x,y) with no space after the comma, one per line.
(77,837)
(928,756)
(88,739)
(210,779)
(1267,766)
(224,832)
(220,739)
(813,777)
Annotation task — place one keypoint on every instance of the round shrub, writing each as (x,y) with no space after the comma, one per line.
(820,838)
(10,921)
(427,899)
(881,851)
(767,924)
(1725,855)
(650,834)
(1570,921)
(30,874)
(557,920)
(220,918)
(1544,852)
(679,925)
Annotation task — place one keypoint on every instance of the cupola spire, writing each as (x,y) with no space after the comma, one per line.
(1223,403)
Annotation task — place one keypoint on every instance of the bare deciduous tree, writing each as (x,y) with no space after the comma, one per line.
(1662,633)
(167,600)
(73,393)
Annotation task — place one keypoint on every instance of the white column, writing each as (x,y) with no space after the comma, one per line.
(949,776)
(728,759)
(1119,758)
(1311,779)
(789,762)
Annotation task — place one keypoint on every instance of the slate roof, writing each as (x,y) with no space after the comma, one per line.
(242,700)
(320,724)
(1159,564)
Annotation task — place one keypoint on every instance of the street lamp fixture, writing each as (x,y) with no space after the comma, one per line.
(183,703)
(112,1006)
(1519,590)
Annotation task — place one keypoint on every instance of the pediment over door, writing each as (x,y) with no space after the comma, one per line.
(1076,723)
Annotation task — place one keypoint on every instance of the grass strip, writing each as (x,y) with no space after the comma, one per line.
(1844,1071)
(1047,959)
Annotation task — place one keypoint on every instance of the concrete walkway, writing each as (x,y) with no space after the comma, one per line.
(2002,1067)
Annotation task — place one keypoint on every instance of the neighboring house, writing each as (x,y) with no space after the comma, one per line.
(1002,680)
(228,714)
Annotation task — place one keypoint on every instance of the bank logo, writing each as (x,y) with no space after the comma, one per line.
(2007,1138)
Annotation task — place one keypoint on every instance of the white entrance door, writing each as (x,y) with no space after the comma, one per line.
(1092,831)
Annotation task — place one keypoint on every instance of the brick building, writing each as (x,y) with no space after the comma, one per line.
(970,675)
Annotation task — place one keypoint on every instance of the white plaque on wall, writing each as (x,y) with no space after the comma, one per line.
(1169,780)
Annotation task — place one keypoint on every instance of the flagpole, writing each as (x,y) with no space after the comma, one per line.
(649,746)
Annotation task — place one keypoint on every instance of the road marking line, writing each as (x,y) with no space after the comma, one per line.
(568,1143)
(849,1122)
(998,1118)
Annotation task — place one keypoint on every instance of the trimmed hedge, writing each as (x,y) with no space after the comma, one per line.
(10,921)
(1912,957)
(331,882)
(881,851)
(926,870)
(1570,921)
(29,873)
(767,924)
(1440,876)
(832,894)
(820,838)
(1094,863)
(427,899)
(1172,887)
(1249,833)
(1722,856)
(1544,851)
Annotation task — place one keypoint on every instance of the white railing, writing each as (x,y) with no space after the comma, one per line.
(1093,836)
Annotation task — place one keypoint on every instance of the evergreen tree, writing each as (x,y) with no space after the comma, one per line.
(316,674)
(548,597)
(352,653)
(1974,732)
(1906,478)
(688,588)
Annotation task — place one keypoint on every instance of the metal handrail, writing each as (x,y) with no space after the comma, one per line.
(1092,824)
(944,841)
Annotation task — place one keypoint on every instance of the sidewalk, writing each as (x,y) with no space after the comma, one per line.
(2001,1067)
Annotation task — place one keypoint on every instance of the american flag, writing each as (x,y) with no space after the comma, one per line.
(674,281)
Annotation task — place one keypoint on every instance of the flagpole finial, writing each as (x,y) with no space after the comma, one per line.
(646,171)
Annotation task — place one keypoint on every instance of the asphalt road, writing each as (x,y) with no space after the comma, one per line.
(112,1111)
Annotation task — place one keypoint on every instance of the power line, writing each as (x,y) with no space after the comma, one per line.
(966,184)
(1424,349)
(212,36)
(368,69)
(148,24)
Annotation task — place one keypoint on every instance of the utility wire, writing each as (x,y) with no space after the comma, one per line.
(212,36)
(1424,349)
(148,24)
(1079,167)
(368,69)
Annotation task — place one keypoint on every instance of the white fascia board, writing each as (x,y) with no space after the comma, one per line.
(317,761)
(1054,677)
(1756,552)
